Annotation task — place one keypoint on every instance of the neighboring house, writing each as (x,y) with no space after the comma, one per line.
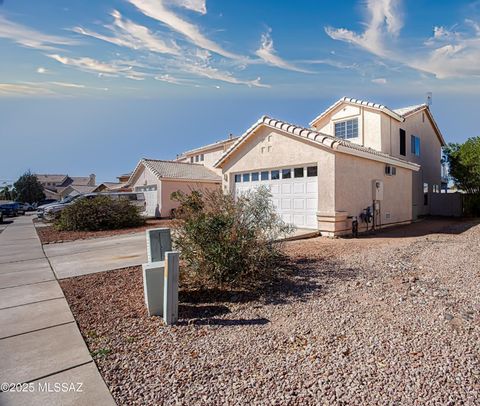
(75,190)
(356,155)
(111,187)
(54,185)
(159,179)
(208,154)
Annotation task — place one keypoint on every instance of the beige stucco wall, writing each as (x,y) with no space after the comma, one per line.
(369,124)
(270,149)
(353,189)
(211,155)
(170,186)
(344,181)
(417,124)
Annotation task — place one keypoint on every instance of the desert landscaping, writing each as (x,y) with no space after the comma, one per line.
(391,318)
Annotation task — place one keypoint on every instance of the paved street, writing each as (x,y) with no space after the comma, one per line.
(40,344)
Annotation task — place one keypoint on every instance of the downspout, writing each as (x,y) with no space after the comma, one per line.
(363,126)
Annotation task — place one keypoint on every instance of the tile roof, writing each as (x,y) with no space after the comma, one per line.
(325,140)
(358,102)
(405,111)
(51,178)
(207,147)
(81,188)
(177,170)
(80,180)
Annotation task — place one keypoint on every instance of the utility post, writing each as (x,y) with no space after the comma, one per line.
(170,286)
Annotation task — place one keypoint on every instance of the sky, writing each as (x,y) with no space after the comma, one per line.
(92,87)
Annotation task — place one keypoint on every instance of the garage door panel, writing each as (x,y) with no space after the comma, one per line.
(286,188)
(299,204)
(311,203)
(312,187)
(286,204)
(294,199)
(298,187)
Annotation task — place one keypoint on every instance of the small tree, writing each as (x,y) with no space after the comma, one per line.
(464,164)
(6,194)
(28,189)
(225,240)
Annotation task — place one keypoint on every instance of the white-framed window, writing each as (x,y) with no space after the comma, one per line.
(202,157)
(347,129)
(238,178)
(191,159)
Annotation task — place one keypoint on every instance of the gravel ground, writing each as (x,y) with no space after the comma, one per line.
(49,235)
(389,319)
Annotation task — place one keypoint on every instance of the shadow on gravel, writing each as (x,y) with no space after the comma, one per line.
(294,279)
(204,311)
(226,322)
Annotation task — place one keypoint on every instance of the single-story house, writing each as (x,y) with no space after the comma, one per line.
(159,179)
(319,181)
(75,190)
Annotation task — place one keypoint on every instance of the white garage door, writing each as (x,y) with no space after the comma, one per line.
(294,192)
(151,199)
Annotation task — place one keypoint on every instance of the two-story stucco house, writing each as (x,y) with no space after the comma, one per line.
(208,154)
(358,158)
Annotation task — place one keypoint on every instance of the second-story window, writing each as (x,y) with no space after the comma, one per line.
(347,129)
(415,145)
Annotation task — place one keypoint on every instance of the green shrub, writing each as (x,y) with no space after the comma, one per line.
(223,240)
(99,213)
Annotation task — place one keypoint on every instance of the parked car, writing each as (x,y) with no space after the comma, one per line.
(49,210)
(135,198)
(20,207)
(28,207)
(44,202)
(9,209)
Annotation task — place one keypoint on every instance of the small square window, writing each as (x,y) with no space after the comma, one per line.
(264,175)
(238,178)
(298,172)
(275,175)
(286,173)
(246,177)
(312,171)
(255,176)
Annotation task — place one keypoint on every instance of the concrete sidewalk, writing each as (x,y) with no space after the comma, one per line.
(82,257)
(40,344)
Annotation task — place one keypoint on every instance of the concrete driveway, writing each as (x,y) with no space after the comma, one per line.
(96,255)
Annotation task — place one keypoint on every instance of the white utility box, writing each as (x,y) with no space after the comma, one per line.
(377,190)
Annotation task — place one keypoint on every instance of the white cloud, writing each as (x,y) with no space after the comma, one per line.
(156,9)
(268,54)
(29,37)
(90,64)
(169,79)
(131,35)
(200,6)
(66,84)
(379,81)
(384,20)
(41,70)
(12,89)
(216,74)
(446,54)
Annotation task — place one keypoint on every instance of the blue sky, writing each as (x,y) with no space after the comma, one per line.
(88,86)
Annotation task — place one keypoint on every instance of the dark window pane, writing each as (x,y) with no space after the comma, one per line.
(264,175)
(254,176)
(275,175)
(286,173)
(403,143)
(298,172)
(246,177)
(312,171)
(238,178)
